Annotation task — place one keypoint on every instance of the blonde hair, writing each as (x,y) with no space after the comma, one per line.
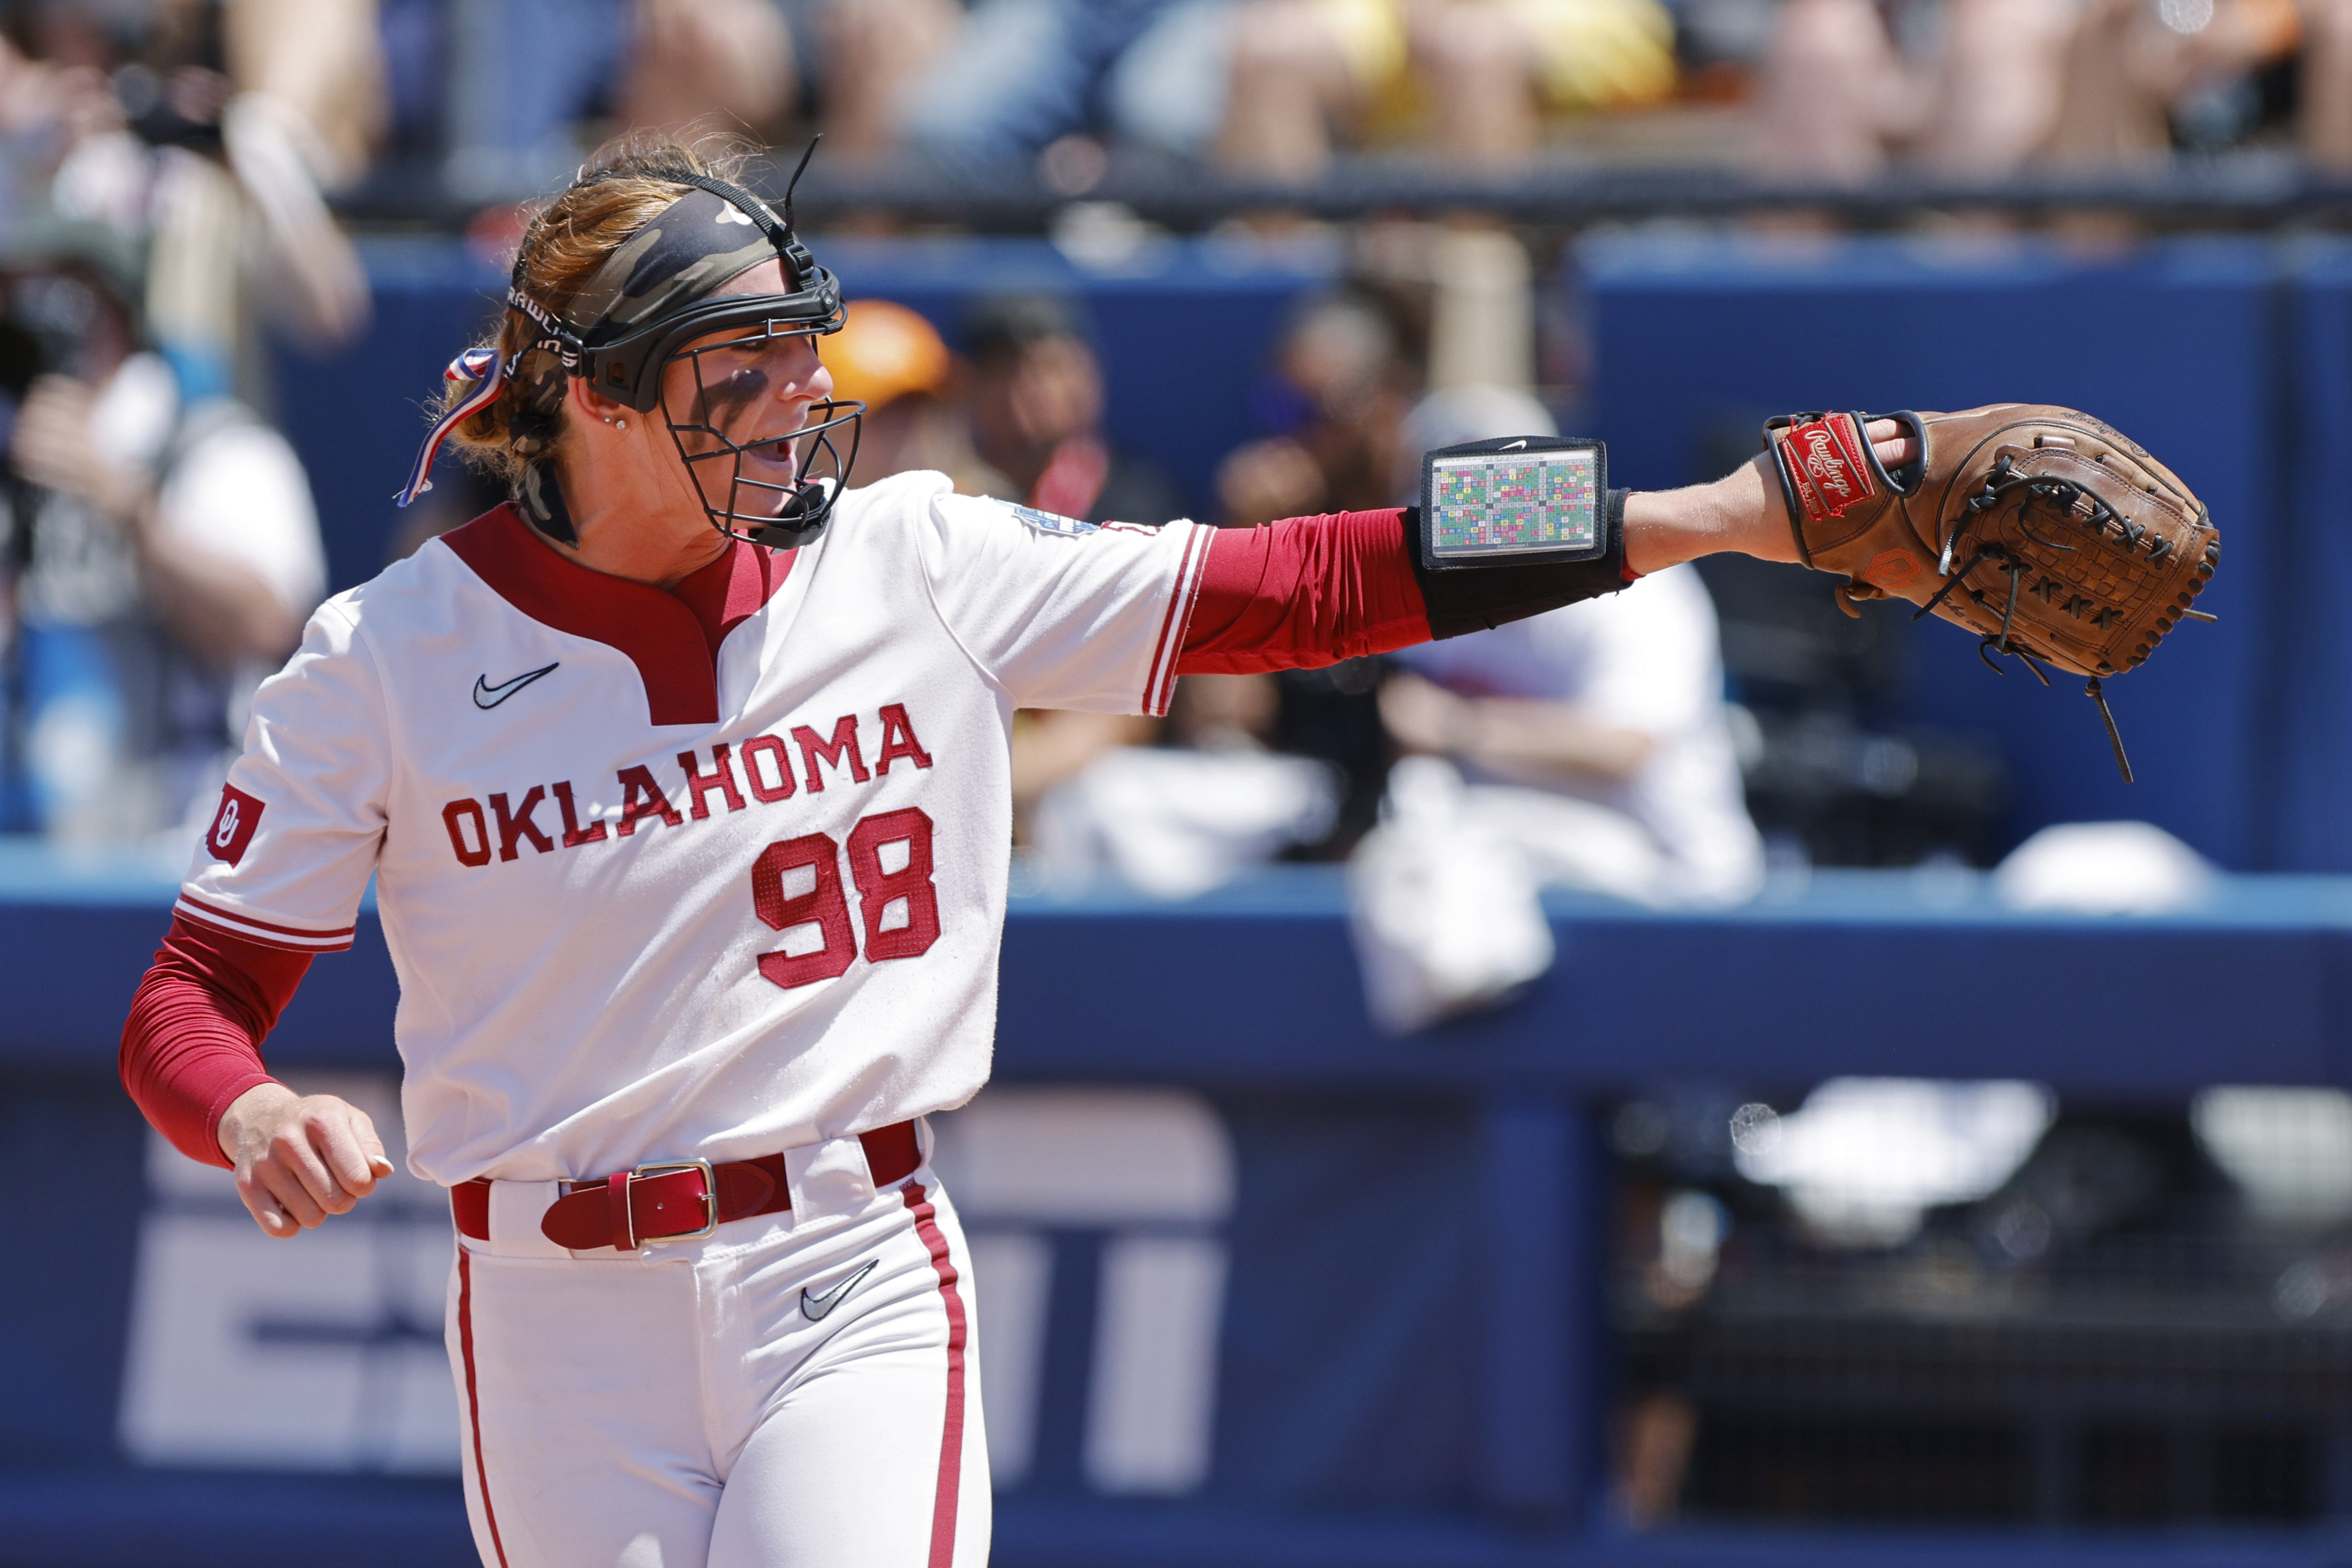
(616,193)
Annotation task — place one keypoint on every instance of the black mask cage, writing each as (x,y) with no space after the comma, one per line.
(780,512)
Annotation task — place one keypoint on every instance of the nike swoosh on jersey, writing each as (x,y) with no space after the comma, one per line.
(815,1307)
(486,696)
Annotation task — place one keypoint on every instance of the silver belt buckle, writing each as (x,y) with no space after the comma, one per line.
(710,1196)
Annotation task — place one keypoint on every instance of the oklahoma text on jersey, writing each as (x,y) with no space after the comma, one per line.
(767,775)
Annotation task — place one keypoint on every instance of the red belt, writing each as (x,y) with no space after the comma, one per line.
(668,1199)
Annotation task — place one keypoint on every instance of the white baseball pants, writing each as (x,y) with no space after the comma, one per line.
(748,1399)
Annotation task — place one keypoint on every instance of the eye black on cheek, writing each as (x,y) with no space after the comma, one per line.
(735,390)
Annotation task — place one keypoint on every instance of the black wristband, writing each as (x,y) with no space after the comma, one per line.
(1484,597)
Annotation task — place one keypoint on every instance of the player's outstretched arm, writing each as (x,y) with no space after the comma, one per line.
(300,1158)
(1305,592)
(1741,513)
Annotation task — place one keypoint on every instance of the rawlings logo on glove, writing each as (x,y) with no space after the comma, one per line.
(1830,472)
(2051,535)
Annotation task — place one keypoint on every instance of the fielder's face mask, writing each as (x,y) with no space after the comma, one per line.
(767,470)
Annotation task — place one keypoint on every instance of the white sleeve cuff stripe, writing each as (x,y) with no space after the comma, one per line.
(216,911)
(262,938)
(1162,686)
(263,931)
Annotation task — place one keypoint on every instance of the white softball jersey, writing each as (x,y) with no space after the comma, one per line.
(659,894)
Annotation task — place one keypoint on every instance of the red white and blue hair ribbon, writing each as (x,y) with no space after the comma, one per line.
(487,368)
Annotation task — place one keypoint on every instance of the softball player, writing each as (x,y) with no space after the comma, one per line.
(683,782)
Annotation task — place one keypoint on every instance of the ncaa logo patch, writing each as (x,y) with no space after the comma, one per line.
(1052,522)
(232,824)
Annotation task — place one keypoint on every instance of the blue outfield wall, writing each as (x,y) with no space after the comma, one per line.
(2314,666)
(1409,1364)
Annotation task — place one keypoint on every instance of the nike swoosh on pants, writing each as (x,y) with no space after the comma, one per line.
(815,1307)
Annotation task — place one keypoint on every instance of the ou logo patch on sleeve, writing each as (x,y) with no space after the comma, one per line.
(232,824)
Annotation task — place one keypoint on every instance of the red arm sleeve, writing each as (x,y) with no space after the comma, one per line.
(1303,593)
(192,1042)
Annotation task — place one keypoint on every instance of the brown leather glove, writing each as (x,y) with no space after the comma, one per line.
(2051,535)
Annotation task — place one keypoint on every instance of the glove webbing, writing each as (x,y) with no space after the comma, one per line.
(2061,494)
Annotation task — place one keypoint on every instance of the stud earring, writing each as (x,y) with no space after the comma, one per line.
(623,423)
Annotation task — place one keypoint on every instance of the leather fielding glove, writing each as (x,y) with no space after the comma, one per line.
(2049,533)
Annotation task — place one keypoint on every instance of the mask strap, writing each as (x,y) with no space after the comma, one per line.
(485,367)
(799,264)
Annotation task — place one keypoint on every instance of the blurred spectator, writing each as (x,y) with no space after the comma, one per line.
(1832,92)
(1994,85)
(866,56)
(1036,409)
(1267,87)
(1490,68)
(529,71)
(890,359)
(669,65)
(1337,393)
(1022,73)
(160,552)
(1998,84)
(685,59)
(207,133)
(1595,736)
(1174,819)
(1051,746)
(320,63)
(1331,405)
(2324,84)
(1297,73)
(2134,67)
(1176,809)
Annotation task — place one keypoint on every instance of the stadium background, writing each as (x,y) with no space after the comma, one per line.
(1301,1294)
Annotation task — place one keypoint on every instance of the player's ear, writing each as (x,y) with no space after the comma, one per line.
(589,403)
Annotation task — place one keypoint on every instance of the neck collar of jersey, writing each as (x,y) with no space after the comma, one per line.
(672,635)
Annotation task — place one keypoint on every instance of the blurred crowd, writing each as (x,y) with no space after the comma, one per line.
(166,170)
(163,171)
(1980,89)
(485,100)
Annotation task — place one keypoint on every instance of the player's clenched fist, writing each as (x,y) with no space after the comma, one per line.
(300,1158)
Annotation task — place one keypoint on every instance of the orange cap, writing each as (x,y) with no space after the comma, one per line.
(882,352)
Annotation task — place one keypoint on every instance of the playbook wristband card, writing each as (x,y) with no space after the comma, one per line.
(1514,501)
